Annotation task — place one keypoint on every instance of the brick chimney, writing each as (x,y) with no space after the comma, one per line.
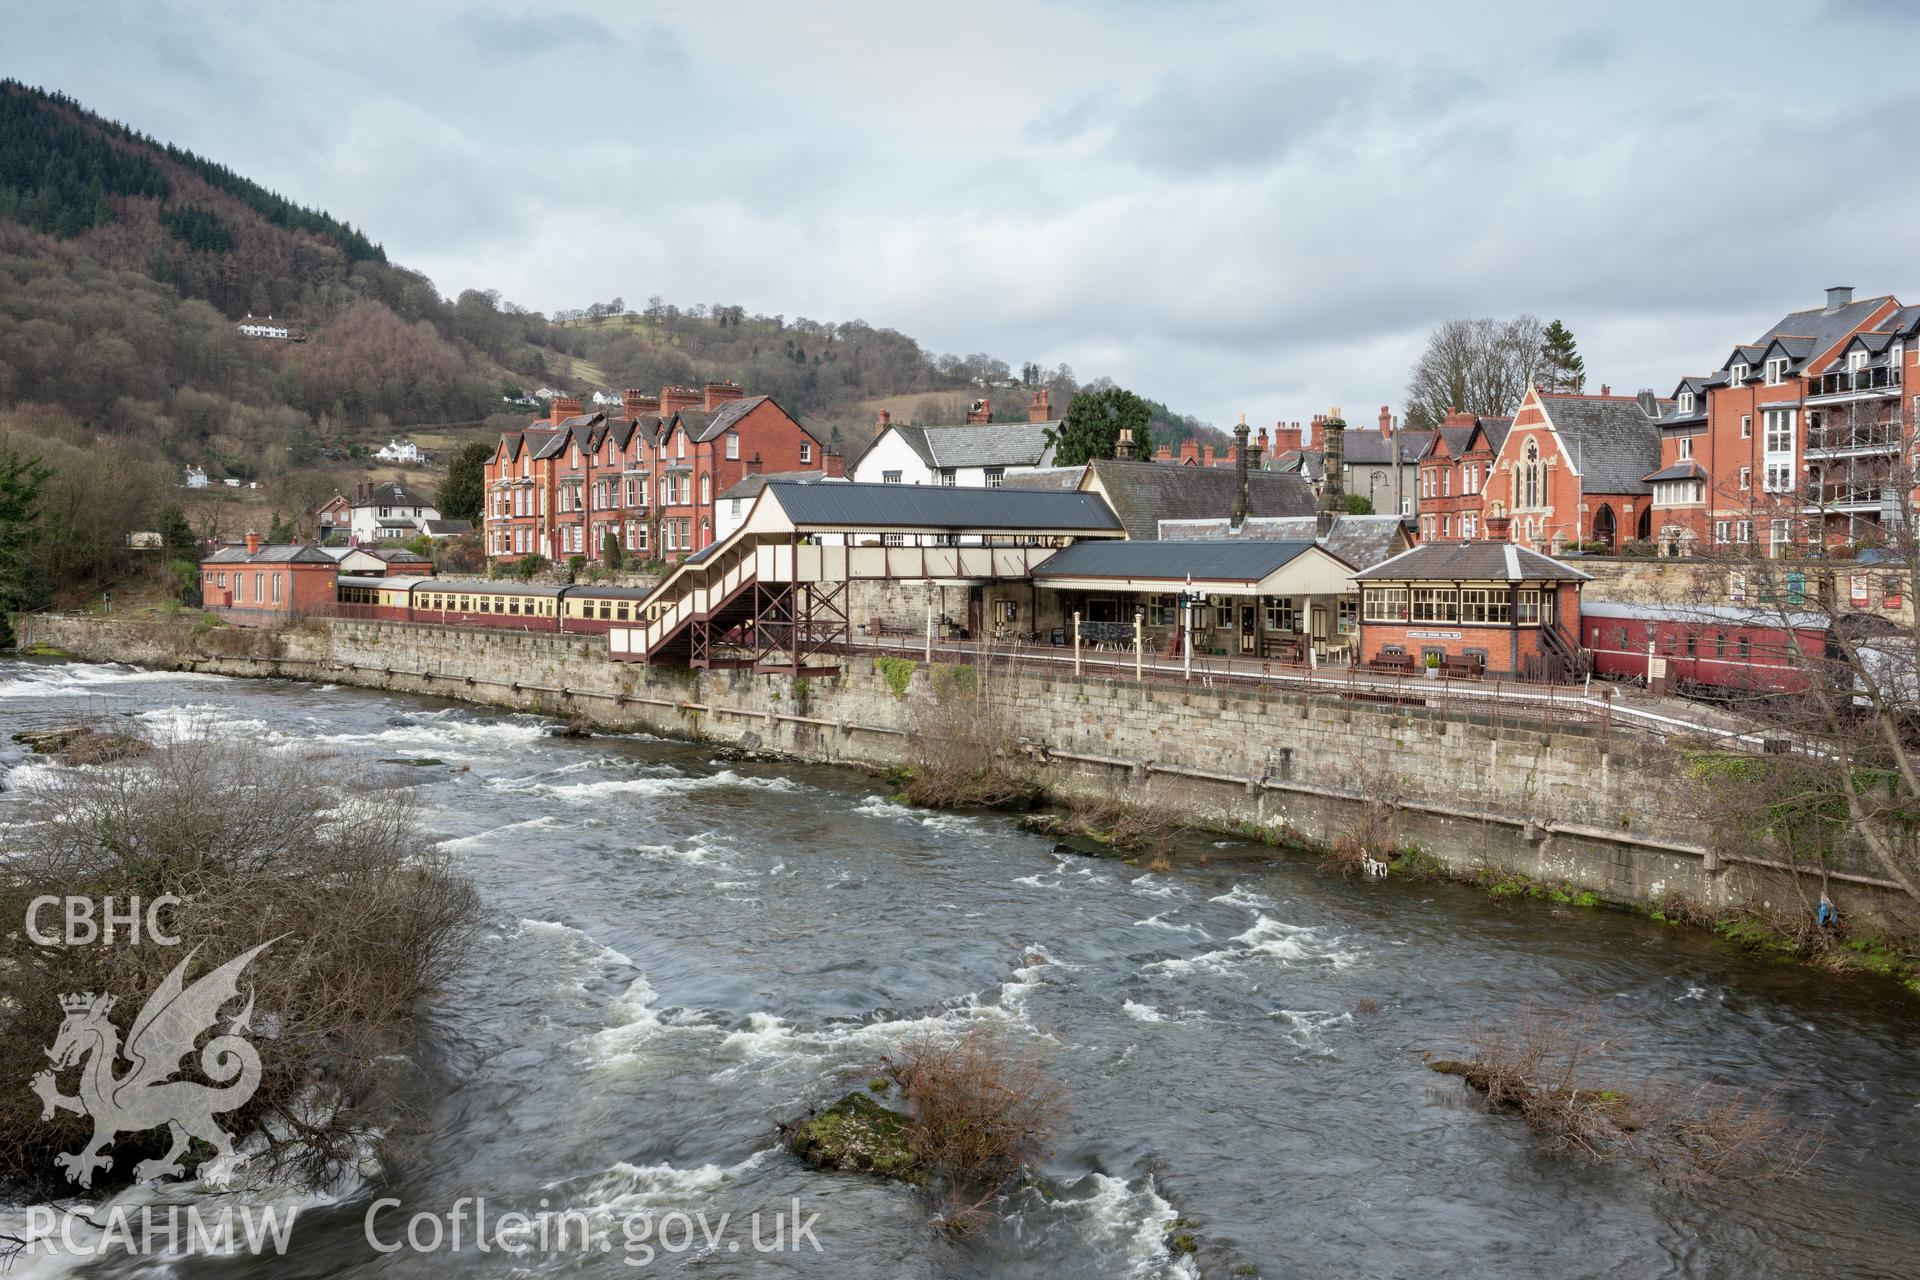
(638,403)
(1163,454)
(981,411)
(1239,516)
(1286,437)
(1498,528)
(678,400)
(881,423)
(253,543)
(834,463)
(1189,452)
(1605,390)
(1333,489)
(1040,408)
(718,393)
(1260,447)
(1123,447)
(1386,422)
(563,407)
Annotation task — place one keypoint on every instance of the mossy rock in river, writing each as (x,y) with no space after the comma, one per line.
(858,1134)
(84,744)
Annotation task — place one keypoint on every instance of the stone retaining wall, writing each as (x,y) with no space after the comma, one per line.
(1611,812)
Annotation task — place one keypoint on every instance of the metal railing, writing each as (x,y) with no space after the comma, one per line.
(1849,381)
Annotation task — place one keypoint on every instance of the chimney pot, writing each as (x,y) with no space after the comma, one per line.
(1040,408)
(1386,421)
(980,411)
(881,423)
(718,393)
(1605,390)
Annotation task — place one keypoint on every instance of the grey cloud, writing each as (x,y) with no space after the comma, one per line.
(1588,50)
(532,33)
(1253,116)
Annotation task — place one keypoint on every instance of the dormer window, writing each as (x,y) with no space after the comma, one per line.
(1856,360)
(1737,374)
(1686,402)
(1776,372)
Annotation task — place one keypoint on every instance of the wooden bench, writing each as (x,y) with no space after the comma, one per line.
(1275,650)
(1462,666)
(1392,664)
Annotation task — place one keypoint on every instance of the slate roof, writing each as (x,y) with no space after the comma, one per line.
(280,553)
(1496,430)
(1823,326)
(1047,478)
(1211,561)
(1612,441)
(445,528)
(702,426)
(1361,541)
(1371,449)
(919,506)
(1145,493)
(981,444)
(1471,562)
(393,495)
(1685,469)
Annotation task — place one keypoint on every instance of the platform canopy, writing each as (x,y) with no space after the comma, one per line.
(786,507)
(1204,567)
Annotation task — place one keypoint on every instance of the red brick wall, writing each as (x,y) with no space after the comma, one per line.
(1498,640)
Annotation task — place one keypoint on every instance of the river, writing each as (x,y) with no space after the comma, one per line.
(681,951)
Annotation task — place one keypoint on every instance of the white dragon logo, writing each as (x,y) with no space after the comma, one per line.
(147,1096)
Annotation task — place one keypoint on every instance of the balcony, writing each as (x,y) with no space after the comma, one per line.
(1836,439)
(1854,384)
(1842,498)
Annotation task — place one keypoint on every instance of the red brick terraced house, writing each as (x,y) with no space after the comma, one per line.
(1789,438)
(1574,469)
(1452,481)
(650,477)
(262,585)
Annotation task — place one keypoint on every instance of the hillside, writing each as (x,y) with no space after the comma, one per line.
(125,261)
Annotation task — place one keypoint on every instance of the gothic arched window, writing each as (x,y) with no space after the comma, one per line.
(1531,473)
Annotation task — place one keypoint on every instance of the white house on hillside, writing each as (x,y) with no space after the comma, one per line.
(977,456)
(399,451)
(196,478)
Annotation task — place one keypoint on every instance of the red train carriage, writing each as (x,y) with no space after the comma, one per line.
(1708,649)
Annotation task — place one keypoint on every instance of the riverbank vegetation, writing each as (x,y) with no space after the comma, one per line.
(961,745)
(1541,1068)
(358,915)
(1111,824)
(976,1113)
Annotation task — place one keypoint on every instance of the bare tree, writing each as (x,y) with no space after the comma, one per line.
(1827,561)
(1474,366)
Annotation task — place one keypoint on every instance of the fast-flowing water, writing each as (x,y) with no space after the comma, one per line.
(683,951)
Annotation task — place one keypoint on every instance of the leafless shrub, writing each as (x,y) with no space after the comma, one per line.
(1536,1066)
(984,1111)
(1366,1006)
(1368,840)
(964,751)
(364,918)
(1125,824)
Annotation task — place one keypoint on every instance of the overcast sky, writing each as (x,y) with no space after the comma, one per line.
(1232,207)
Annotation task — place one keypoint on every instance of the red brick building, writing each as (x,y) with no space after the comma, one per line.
(1486,607)
(262,585)
(649,478)
(1576,469)
(1452,481)
(1789,438)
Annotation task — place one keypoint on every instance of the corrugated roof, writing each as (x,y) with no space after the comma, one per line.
(1472,562)
(900,506)
(1207,561)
